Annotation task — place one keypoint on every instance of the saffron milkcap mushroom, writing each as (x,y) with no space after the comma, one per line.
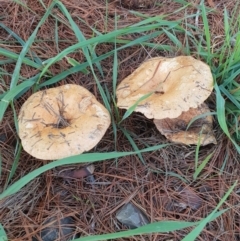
(200,131)
(61,122)
(176,84)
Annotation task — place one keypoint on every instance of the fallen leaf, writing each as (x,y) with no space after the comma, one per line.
(189,197)
(80,173)
(211,3)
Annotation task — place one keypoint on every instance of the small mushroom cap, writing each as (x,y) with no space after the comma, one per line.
(176,84)
(61,122)
(200,130)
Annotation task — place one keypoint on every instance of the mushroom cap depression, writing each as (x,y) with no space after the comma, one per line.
(176,84)
(61,122)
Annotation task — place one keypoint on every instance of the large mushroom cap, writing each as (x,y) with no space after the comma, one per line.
(176,84)
(61,122)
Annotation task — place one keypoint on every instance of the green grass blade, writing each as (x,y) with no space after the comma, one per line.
(228,81)
(197,230)
(133,144)
(83,66)
(6,61)
(139,139)
(113,118)
(74,63)
(184,3)
(80,37)
(3,235)
(158,19)
(114,126)
(83,158)
(63,75)
(230,97)
(115,64)
(15,164)
(222,117)
(20,2)
(201,166)
(132,108)
(0,164)
(226,27)
(14,56)
(101,39)
(224,164)
(173,174)
(26,47)
(200,117)
(12,94)
(161,227)
(158,227)
(15,93)
(174,39)
(206,30)
(197,151)
(15,117)
(56,35)
(37,59)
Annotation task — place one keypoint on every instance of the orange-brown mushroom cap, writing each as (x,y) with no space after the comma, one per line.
(61,122)
(176,84)
(200,131)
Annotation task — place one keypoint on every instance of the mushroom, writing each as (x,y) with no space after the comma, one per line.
(163,89)
(199,131)
(61,122)
(175,84)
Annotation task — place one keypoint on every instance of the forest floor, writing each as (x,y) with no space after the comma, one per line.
(162,187)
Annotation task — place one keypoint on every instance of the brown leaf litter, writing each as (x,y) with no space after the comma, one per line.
(151,187)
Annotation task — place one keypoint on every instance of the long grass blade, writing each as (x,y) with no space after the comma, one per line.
(115,64)
(174,39)
(222,117)
(26,47)
(132,108)
(83,66)
(197,151)
(133,144)
(206,30)
(197,230)
(3,235)
(200,117)
(86,50)
(158,227)
(201,166)
(230,97)
(104,38)
(81,38)
(14,165)
(74,63)
(12,94)
(14,56)
(0,164)
(83,158)
(20,40)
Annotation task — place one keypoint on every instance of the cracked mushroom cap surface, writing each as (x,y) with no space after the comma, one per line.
(61,122)
(176,84)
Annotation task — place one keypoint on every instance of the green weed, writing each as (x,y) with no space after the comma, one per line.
(225,72)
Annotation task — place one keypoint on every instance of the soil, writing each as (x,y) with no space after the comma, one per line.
(163,187)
